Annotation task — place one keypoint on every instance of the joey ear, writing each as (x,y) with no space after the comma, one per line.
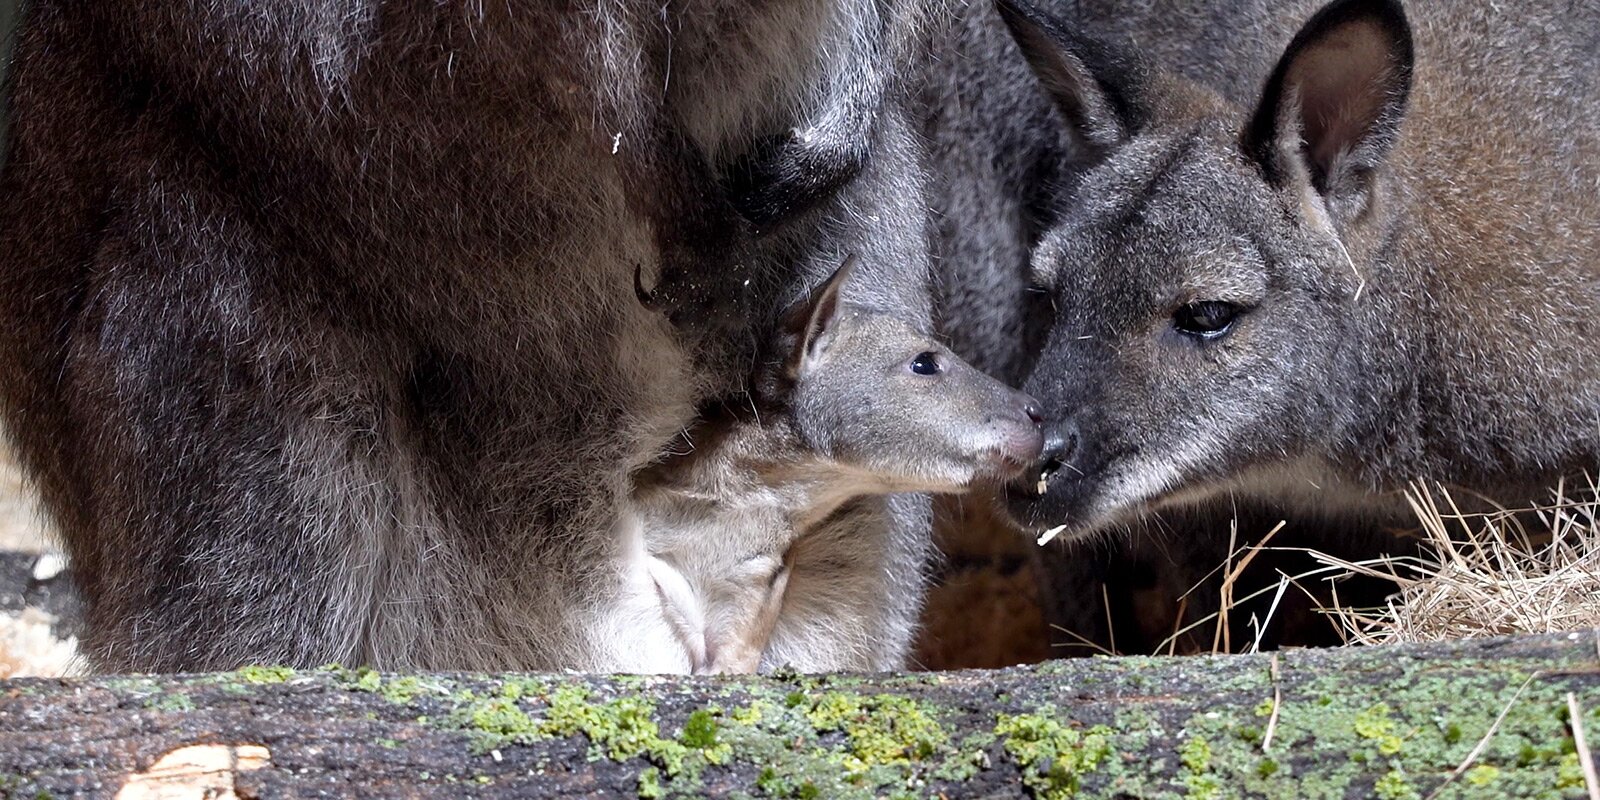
(1058,59)
(811,322)
(1332,108)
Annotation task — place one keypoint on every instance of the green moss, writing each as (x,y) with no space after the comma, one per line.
(1427,723)
(769,782)
(842,744)
(622,728)
(148,685)
(263,675)
(502,721)
(881,729)
(1195,755)
(10,783)
(650,784)
(1394,786)
(368,680)
(971,757)
(401,691)
(1378,725)
(827,744)
(751,714)
(1203,787)
(625,728)
(173,703)
(517,688)
(1569,773)
(1054,758)
(700,730)
(1482,775)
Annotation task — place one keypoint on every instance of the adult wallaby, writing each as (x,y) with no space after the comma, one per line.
(853,403)
(1383,266)
(314,321)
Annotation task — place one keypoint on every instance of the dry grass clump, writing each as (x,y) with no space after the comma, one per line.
(1486,574)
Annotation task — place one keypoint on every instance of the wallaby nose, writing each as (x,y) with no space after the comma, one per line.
(1060,445)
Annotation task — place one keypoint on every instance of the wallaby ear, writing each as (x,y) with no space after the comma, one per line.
(1058,59)
(814,319)
(1332,108)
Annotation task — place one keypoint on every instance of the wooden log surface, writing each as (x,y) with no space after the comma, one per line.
(1378,722)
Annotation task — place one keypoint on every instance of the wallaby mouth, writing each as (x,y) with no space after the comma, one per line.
(1029,506)
(1039,498)
(1047,469)
(1055,454)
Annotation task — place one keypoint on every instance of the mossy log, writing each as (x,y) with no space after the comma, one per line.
(1381,722)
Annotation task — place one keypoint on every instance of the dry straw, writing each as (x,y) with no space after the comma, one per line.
(1535,570)
(1477,573)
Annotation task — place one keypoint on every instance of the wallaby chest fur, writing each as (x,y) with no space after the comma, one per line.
(317,331)
(720,529)
(1373,263)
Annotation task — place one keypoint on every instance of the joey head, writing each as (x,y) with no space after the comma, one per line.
(853,403)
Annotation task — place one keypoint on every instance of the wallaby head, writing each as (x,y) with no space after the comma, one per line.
(1204,266)
(855,402)
(871,393)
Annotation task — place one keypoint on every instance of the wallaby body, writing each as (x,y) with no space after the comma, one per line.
(996,151)
(1382,266)
(860,404)
(317,336)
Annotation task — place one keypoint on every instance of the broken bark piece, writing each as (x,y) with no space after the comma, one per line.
(196,771)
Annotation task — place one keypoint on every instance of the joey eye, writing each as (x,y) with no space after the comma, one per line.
(1207,319)
(926,364)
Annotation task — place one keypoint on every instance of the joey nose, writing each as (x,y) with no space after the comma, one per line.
(1024,437)
(1030,407)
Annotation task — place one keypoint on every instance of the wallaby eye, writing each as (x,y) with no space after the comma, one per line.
(926,364)
(1207,319)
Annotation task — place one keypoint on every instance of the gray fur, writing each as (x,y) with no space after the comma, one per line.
(995,150)
(317,329)
(1419,283)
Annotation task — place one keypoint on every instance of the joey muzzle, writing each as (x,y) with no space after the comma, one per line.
(1020,440)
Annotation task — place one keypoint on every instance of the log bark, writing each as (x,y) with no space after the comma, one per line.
(1377,722)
